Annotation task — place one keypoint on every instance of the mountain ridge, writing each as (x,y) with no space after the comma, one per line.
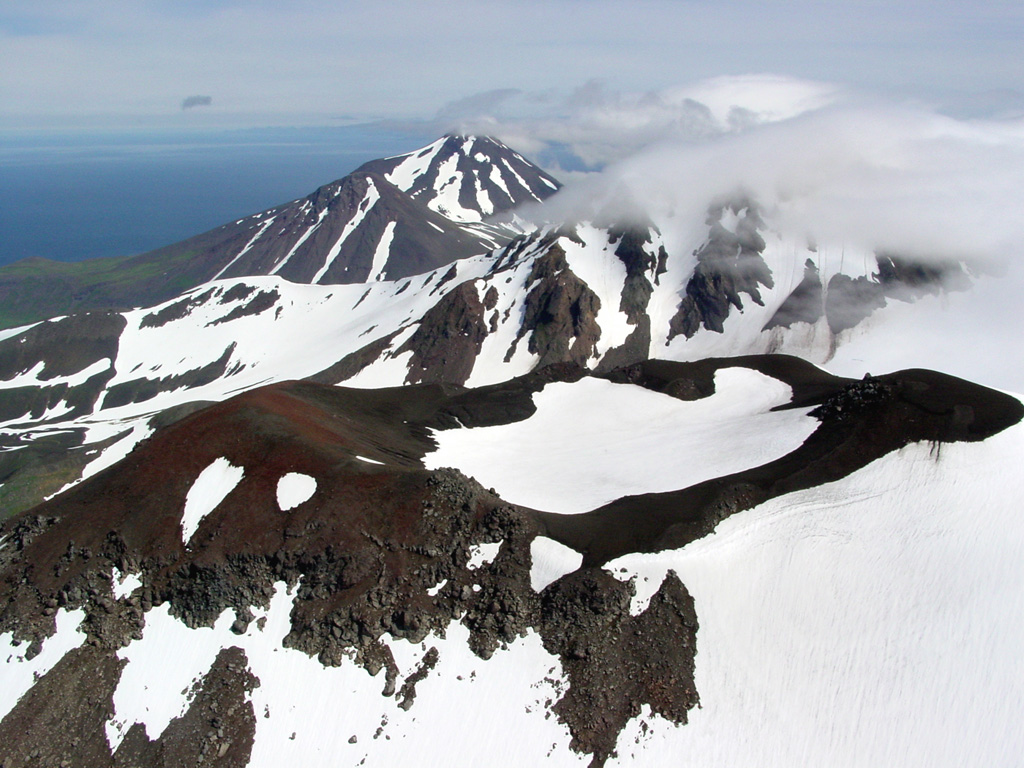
(314,232)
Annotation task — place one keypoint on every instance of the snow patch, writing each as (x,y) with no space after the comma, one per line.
(382,253)
(308,714)
(592,441)
(874,620)
(209,489)
(550,561)
(124,584)
(293,489)
(482,554)
(30,378)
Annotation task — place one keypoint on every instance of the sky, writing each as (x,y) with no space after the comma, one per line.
(192,64)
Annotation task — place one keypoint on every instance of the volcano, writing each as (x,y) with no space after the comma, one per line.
(580,492)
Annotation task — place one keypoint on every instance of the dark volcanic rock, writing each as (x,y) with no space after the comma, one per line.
(909,279)
(449,338)
(261,302)
(478,162)
(617,662)
(217,729)
(142,389)
(559,313)
(849,301)
(806,304)
(365,553)
(636,294)
(180,308)
(728,264)
(61,721)
(860,422)
(63,347)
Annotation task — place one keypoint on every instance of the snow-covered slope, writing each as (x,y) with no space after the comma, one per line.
(466,178)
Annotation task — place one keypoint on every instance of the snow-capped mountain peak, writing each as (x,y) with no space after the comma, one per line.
(466,178)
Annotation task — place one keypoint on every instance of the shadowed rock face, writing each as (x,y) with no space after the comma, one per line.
(61,720)
(851,300)
(728,264)
(561,312)
(806,304)
(364,552)
(642,267)
(446,344)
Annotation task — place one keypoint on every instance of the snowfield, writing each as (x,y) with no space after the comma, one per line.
(871,621)
(593,441)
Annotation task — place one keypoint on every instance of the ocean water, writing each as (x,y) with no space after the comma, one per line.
(70,198)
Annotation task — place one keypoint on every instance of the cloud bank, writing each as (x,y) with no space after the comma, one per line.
(821,160)
(851,174)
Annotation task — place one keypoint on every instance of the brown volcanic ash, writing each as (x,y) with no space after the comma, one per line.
(369,544)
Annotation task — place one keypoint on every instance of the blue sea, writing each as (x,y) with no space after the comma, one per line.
(73,197)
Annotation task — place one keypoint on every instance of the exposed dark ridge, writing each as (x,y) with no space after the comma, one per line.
(503,403)
(50,727)
(636,293)
(354,362)
(532,187)
(237,292)
(363,551)
(849,301)
(559,313)
(860,421)
(909,279)
(65,346)
(448,339)
(806,304)
(728,264)
(261,302)
(178,309)
(696,380)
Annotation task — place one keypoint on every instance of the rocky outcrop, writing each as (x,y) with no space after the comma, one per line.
(449,337)
(142,389)
(806,304)
(728,264)
(383,548)
(849,301)
(58,349)
(559,313)
(642,266)
(379,552)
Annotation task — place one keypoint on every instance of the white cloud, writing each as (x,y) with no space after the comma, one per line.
(308,59)
(872,176)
